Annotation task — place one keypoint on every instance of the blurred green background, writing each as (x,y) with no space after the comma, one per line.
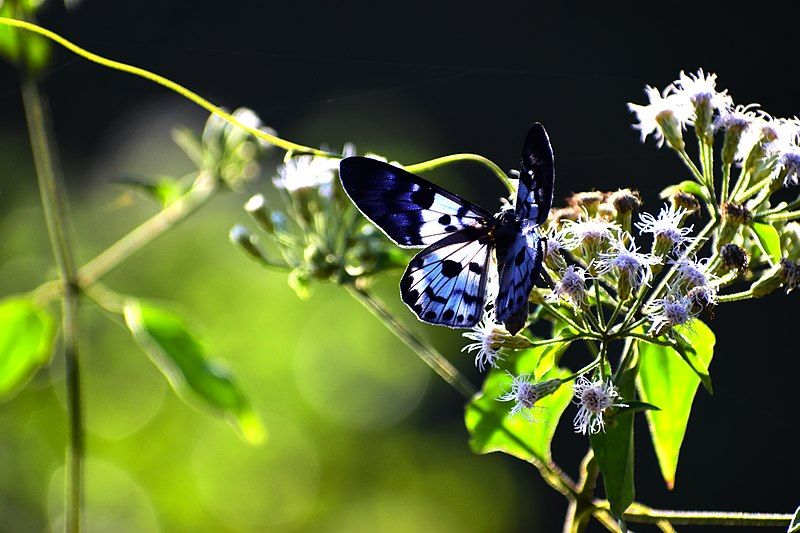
(362,436)
(347,449)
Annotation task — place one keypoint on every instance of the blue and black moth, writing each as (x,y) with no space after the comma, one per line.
(445,283)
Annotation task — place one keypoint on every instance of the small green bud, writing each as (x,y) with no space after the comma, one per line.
(246,241)
(256,207)
(671,128)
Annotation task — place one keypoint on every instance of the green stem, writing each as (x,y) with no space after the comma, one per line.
(160,223)
(691,166)
(741,182)
(726,179)
(747,194)
(708,518)
(787,215)
(429,355)
(57,217)
(557,312)
(588,368)
(697,243)
(736,296)
(624,359)
(448,159)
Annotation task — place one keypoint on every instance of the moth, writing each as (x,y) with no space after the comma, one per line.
(445,283)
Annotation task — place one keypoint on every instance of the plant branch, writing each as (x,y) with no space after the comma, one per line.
(644,515)
(59,225)
(430,356)
(157,225)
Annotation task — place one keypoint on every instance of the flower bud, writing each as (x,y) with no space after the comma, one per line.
(704,112)
(256,207)
(606,211)
(671,129)
(786,273)
(626,202)
(734,257)
(588,200)
(685,201)
(564,213)
(246,241)
(733,217)
(733,134)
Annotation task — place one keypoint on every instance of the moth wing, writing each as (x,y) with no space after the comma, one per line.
(445,284)
(536,176)
(410,210)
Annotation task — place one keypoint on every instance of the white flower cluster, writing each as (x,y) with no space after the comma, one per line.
(693,99)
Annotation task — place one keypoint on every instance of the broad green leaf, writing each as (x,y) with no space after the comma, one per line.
(27,333)
(491,427)
(22,48)
(667,381)
(695,344)
(769,239)
(613,451)
(550,354)
(181,356)
(692,187)
(794,525)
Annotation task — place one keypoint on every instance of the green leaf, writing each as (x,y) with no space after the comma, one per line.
(667,381)
(769,239)
(613,451)
(27,334)
(491,427)
(695,345)
(794,525)
(550,354)
(688,186)
(22,48)
(163,189)
(181,356)
(634,406)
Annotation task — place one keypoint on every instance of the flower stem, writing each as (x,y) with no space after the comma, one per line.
(160,223)
(56,212)
(445,160)
(787,215)
(726,179)
(736,296)
(429,355)
(707,518)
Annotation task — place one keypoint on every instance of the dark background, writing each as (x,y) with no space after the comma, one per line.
(454,77)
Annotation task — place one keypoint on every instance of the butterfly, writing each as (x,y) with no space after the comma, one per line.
(446,283)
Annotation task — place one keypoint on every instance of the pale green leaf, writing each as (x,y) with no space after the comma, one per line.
(491,427)
(162,189)
(769,239)
(668,382)
(688,186)
(614,453)
(180,355)
(27,333)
